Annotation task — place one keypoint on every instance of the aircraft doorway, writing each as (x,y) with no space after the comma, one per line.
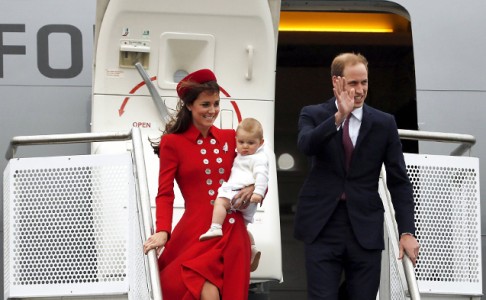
(303,77)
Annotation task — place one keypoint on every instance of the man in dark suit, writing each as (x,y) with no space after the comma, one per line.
(340,214)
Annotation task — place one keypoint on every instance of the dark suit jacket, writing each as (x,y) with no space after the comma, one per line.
(378,143)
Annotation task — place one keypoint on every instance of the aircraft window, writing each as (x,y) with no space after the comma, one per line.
(179,74)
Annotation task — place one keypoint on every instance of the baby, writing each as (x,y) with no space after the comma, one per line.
(249,167)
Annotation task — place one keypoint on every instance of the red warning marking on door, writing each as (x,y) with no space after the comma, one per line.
(121,110)
(237,110)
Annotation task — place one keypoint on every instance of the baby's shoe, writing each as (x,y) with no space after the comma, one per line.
(255,258)
(211,234)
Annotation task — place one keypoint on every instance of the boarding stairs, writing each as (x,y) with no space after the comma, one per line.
(448,225)
(74,226)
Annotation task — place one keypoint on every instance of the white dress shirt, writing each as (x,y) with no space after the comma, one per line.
(354,123)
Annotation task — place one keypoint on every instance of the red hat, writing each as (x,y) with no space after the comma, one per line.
(199,76)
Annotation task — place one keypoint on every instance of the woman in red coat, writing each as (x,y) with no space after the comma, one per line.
(199,156)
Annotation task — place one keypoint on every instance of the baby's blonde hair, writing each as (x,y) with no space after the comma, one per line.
(252,126)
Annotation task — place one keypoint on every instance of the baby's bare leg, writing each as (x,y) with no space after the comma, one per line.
(255,253)
(221,205)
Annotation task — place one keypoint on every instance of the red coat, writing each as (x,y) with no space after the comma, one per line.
(199,165)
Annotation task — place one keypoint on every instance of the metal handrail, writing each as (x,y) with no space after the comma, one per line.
(408,268)
(139,161)
(161,107)
(411,279)
(68,138)
(466,140)
(144,203)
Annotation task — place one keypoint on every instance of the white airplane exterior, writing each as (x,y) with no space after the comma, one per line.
(73,71)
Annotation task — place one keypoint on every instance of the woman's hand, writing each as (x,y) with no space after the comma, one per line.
(242,199)
(255,198)
(156,241)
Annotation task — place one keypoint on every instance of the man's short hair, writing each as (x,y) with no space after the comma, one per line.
(347,59)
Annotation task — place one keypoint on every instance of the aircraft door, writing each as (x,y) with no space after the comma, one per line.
(235,39)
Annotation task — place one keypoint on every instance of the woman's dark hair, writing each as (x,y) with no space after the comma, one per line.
(183,118)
